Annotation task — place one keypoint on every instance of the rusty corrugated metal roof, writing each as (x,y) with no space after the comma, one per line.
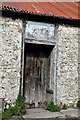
(60,9)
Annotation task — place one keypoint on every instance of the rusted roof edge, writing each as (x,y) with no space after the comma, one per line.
(40,17)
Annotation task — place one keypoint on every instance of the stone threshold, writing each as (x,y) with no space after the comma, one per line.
(75,118)
(41,114)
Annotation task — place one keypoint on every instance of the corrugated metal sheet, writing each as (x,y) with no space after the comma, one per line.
(61,9)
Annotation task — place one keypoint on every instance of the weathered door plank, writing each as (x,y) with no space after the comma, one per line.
(36,70)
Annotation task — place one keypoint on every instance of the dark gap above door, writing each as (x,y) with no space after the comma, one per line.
(38,48)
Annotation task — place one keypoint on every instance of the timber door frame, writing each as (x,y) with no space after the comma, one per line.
(54,62)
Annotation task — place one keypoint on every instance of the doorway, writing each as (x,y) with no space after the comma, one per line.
(37,74)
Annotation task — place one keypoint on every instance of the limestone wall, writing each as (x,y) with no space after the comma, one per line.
(10,58)
(67,63)
(10,61)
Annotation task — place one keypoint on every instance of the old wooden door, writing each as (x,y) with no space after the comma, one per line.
(35,75)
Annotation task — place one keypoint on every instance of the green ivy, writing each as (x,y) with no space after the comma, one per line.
(18,109)
(64,107)
(78,104)
(51,107)
(8,113)
(20,105)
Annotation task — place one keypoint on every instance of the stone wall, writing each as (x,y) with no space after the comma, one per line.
(10,61)
(10,58)
(67,64)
